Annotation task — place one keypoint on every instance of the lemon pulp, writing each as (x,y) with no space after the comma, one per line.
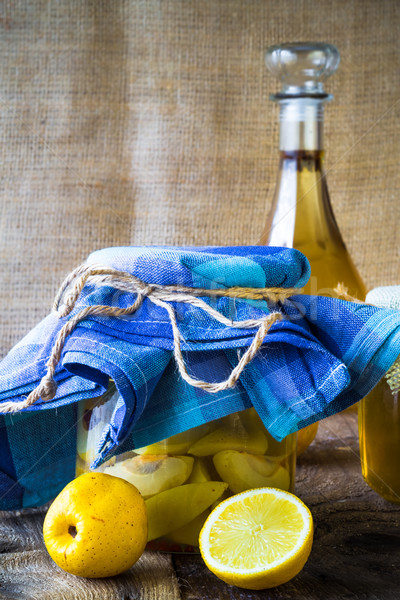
(252,533)
(257,539)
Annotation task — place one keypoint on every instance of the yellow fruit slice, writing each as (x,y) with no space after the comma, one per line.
(200,471)
(176,507)
(257,539)
(189,533)
(243,471)
(152,474)
(305,436)
(176,444)
(227,493)
(238,432)
(252,421)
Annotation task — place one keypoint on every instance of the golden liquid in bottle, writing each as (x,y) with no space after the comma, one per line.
(379,433)
(302,218)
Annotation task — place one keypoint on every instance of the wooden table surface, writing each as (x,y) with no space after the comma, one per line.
(356,551)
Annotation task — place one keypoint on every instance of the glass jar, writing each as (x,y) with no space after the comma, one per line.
(379,434)
(183,477)
(379,418)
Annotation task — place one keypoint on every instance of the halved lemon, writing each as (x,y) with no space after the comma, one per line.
(257,539)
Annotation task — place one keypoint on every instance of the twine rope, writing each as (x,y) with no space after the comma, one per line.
(161,295)
(342,292)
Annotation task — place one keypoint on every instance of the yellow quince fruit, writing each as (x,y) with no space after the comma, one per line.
(97,526)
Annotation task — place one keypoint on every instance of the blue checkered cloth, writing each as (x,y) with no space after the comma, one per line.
(323,356)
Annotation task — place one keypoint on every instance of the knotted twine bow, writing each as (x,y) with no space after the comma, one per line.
(161,295)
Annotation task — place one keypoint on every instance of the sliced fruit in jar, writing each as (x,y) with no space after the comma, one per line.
(200,472)
(227,493)
(252,421)
(176,507)
(243,471)
(189,533)
(154,473)
(274,449)
(257,539)
(176,444)
(236,433)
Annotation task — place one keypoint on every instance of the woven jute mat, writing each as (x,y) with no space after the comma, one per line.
(148,122)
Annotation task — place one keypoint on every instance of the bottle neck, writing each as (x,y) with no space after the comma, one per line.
(301,124)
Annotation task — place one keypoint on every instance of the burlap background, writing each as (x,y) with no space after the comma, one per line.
(148,122)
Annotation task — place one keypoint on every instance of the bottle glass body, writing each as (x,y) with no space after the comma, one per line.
(302,217)
(183,477)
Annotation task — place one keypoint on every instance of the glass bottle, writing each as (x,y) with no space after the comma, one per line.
(182,478)
(301,215)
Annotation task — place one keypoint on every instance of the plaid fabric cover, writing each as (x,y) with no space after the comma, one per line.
(322,357)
